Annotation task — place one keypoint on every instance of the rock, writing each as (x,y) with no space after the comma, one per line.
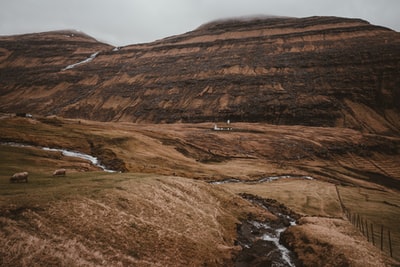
(316,71)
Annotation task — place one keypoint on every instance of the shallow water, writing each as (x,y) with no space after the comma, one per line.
(260,240)
(261,180)
(80,155)
(67,153)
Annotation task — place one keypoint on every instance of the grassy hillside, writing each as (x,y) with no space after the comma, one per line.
(154,214)
(322,200)
(96,219)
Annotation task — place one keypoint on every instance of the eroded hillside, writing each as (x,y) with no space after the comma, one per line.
(319,71)
(159,212)
(250,151)
(314,114)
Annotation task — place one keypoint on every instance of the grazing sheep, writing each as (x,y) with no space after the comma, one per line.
(19,177)
(60,172)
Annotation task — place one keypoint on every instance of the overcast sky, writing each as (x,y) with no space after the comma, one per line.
(123,22)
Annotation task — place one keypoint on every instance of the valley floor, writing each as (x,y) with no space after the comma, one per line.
(160,209)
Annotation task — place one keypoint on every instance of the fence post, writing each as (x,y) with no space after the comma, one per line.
(362,225)
(390,244)
(372,234)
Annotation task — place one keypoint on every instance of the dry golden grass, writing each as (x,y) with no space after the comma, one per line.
(336,239)
(151,216)
(195,151)
(102,219)
(328,232)
(380,208)
(306,197)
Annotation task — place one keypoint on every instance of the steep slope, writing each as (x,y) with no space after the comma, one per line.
(31,69)
(319,71)
(121,223)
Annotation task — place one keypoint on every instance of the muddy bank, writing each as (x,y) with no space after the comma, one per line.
(260,240)
(107,157)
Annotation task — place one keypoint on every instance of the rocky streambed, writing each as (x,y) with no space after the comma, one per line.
(261,240)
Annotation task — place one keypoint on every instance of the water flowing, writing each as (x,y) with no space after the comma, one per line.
(261,180)
(67,153)
(261,238)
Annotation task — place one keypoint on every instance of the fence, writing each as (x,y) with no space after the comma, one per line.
(378,235)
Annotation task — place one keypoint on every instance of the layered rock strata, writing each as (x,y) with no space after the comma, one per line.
(319,71)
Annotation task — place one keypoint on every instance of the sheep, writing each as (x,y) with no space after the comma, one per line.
(19,177)
(60,172)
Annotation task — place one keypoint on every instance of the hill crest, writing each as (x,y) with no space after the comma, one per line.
(319,71)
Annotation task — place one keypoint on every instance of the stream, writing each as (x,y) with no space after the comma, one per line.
(261,180)
(64,152)
(260,240)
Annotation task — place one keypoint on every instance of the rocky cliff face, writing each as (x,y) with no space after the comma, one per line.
(320,71)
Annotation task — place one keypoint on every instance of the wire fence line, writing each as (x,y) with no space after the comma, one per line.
(378,235)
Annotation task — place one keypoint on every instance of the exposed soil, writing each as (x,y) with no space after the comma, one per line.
(106,156)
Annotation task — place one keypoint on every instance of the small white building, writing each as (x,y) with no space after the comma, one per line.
(223,127)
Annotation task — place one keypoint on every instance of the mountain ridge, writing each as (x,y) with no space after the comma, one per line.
(316,71)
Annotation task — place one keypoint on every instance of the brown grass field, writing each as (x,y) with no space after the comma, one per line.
(162,212)
(306,197)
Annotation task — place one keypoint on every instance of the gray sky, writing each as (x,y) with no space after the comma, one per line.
(123,22)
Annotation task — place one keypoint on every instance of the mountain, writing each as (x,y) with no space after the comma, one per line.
(314,106)
(316,71)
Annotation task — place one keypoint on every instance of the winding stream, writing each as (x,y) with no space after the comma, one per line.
(67,153)
(80,155)
(261,180)
(256,236)
(273,235)
(261,239)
